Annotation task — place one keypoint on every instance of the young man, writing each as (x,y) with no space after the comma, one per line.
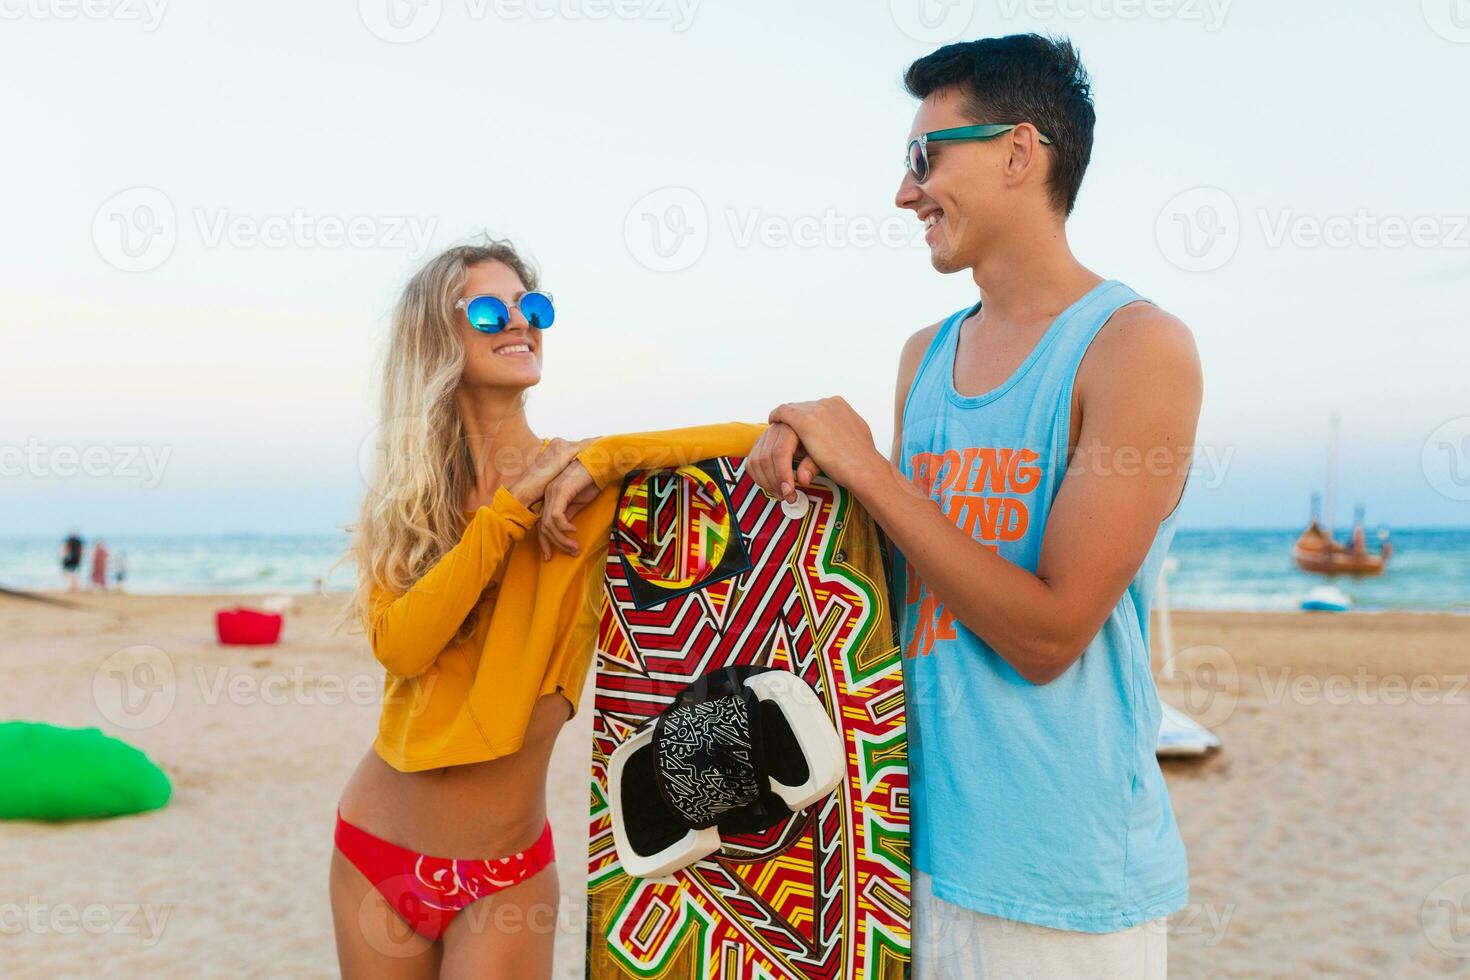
(1042,442)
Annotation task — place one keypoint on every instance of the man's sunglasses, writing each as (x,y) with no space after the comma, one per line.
(918,158)
(489,314)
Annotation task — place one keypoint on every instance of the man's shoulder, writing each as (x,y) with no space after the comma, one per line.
(913,355)
(919,341)
(1147,315)
(1142,337)
(1142,354)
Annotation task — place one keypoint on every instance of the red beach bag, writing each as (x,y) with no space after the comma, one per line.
(247,627)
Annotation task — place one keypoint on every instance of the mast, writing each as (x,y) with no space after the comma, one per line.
(1330,497)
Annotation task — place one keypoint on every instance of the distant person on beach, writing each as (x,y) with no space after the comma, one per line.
(119,569)
(1042,440)
(71,560)
(99,566)
(482,630)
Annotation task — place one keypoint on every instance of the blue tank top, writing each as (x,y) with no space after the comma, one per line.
(1040,804)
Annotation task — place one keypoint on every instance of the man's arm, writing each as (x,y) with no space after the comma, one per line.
(1139,390)
(908,367)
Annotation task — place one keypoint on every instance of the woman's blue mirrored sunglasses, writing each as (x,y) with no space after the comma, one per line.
(489,314)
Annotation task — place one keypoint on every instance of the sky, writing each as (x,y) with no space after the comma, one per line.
(210,209)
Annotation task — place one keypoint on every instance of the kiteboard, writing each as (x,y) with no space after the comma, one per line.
(705,571)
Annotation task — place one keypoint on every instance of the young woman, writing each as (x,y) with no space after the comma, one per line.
(444,857)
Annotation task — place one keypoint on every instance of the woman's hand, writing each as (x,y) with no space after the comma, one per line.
(568,492)
(771,460)
(531,485)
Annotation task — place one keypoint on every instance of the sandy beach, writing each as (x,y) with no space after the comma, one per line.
(1327,838)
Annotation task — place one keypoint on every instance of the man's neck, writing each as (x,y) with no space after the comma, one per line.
(1032,276)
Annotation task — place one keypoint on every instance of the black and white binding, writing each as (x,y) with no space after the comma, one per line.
(737,751)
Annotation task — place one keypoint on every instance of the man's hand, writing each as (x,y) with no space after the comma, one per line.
(568,492)
(836,438)
(771,460)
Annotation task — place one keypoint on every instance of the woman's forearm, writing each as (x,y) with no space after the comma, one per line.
(613,457)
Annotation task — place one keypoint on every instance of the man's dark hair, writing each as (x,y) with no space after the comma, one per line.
(1021,78)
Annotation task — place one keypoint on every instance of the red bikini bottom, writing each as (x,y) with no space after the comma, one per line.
(427,891)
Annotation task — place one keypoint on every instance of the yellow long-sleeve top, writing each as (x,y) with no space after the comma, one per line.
(448,702)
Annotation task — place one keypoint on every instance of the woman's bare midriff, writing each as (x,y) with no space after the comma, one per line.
(480,810)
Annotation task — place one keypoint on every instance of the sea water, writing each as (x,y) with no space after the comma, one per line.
(1218,569)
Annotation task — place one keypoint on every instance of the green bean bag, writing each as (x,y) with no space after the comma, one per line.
(50,773)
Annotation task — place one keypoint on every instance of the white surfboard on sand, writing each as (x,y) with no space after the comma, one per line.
(1180,735)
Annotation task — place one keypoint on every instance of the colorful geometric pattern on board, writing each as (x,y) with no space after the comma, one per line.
(703,571)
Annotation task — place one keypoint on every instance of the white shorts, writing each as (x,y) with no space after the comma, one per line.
(955,943)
